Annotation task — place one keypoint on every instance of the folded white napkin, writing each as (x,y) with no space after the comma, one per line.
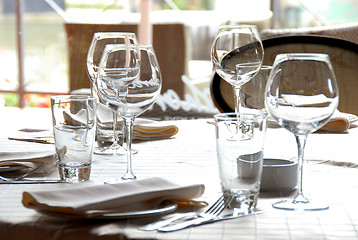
(121,197)
(339,122)
(33,135)
(11,160)
(152,132)
(305,101)
(143,129)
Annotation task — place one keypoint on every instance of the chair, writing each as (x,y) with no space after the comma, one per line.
(347,31)
(343,55)
(169,43)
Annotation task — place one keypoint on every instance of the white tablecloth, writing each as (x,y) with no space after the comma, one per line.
(190,157)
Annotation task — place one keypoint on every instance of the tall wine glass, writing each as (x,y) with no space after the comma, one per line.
(237,55)
(126,90)
(95,51)
(301,95)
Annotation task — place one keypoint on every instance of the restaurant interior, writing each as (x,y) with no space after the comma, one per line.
(158,167)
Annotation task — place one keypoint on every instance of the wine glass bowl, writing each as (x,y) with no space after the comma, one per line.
(237,55)
(98,43)
(108,143)
(129,82)
(301,95)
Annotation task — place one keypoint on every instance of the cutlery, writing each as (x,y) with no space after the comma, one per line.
(32,181)
(212,212)
(26,174)
(165,222)
(201,221)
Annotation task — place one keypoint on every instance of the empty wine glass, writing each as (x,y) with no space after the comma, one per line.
(127,87)
(302,94)
(237,55)
(95,51)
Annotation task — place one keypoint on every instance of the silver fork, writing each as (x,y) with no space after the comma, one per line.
(213,212)
(22,176)
(220,203)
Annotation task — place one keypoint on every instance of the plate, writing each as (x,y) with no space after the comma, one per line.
(163,208)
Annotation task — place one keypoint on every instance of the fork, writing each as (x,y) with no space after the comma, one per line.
(214,209)
(213,212)
(5,179)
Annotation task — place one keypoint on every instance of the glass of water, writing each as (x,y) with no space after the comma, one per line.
(240,157)
(74,127)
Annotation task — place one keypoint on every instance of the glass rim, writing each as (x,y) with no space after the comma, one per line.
(100,35)
(74,97)
(122,46)
(235,26)
(301,56)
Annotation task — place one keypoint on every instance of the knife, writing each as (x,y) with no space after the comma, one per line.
(204,220)
(32,181)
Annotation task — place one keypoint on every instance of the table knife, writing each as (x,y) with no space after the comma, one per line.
(32,181)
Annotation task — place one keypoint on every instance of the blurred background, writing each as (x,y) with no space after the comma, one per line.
(34,46)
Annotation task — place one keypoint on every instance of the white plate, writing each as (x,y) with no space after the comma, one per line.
(162,208)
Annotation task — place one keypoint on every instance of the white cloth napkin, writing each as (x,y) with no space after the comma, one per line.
(121,197)
(152,132)
(143,129)
(305,101)
(29,159)
(14,156)
(339,122)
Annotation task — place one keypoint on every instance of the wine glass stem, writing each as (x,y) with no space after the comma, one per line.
(237,98)
(115,143)
(128,121)
(301,143)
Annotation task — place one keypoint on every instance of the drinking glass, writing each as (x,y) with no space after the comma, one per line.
(95,51)
(74,118)
(237,55)
(252,93)
(129,82)
(240,160)
(301,95)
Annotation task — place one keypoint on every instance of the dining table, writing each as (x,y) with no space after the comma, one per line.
(330,174)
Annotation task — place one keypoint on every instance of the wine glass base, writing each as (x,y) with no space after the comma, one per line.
(119,180)
(128,176)
(300,206)
(114,181)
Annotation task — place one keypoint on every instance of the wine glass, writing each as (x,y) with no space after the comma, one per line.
(237,55)
(301,95)
(127,87)
(95,51)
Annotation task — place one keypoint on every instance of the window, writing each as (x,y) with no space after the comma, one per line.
(40,69)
